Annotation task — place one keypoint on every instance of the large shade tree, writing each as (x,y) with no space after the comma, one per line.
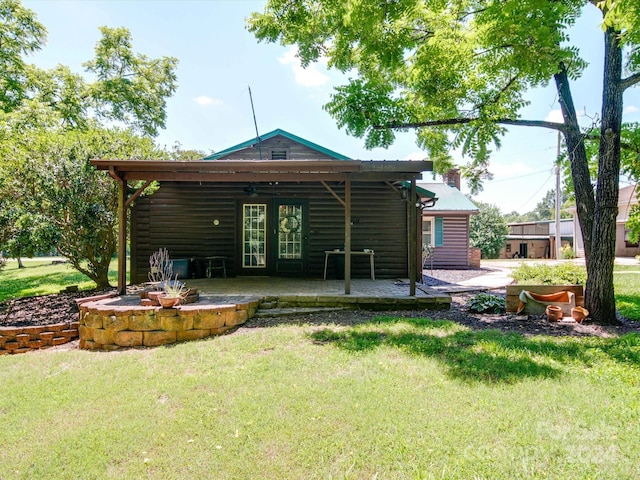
(458,71)
(52,122)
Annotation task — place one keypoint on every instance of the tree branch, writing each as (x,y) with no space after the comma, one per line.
(630,81)
(463,121)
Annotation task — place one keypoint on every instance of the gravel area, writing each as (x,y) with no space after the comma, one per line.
(436,278)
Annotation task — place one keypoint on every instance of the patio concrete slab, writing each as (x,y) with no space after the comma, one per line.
(307,293)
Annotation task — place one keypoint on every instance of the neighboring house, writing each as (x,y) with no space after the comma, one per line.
(536,239)
(274,206)
(627,197)
(445,226)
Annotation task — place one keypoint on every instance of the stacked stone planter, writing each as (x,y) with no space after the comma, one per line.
(107,325)
(25,339)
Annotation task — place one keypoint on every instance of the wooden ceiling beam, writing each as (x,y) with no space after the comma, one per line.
(264,177)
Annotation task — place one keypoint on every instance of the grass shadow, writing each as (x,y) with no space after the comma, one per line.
(488,356)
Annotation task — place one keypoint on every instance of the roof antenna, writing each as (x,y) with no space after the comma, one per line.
(255,123)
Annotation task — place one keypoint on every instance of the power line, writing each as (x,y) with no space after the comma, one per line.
(522,176)
(537,191)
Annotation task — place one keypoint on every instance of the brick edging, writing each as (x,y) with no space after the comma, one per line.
(25,339)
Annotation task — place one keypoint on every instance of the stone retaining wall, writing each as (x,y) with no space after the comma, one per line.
(25,339)
(105,326)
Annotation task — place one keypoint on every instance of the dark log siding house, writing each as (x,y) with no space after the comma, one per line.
(273,207)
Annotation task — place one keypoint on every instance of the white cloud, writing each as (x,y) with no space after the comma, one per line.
(416,156)
(631,109)
(204,100)
(554,116)
(307,77)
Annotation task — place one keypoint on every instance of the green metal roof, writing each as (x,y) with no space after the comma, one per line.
(267,136)
(421,191)
(450,199)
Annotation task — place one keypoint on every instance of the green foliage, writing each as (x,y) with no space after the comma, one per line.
(487,303)
(545,210)
(20,35)
(567,252)
(567,273)
(49,179)
(488,230)
(633,224)
(455,67)
(52,122)
(130,87)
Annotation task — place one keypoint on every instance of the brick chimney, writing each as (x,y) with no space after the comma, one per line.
(452,178)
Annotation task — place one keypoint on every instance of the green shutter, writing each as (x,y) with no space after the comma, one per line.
(439,232)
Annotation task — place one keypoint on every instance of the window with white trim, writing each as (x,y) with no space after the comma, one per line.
(427,231)
(433,231)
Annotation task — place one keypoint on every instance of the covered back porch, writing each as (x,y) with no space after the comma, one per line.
(335,177)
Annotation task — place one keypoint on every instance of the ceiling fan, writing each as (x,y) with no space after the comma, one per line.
(252,191)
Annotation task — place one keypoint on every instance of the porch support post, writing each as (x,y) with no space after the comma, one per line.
(347,237)
(413,238)
(122,236)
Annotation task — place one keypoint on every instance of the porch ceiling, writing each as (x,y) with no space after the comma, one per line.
(263,170)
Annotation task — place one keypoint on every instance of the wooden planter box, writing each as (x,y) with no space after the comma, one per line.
(513,291)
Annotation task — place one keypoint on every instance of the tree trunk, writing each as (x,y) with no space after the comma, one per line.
(20,265)
(585,201)
(597,213)
(599,295)
(102,280)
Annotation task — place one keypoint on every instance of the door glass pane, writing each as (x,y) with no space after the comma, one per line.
(254,235)
(290,232)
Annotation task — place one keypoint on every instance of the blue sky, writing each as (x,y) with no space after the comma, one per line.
(219,60)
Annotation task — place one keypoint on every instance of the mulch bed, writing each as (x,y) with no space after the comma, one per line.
(42,310)
(62,307)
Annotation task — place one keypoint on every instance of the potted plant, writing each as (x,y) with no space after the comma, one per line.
(174,293)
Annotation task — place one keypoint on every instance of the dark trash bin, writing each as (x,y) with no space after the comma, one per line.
(198,267)
(180,267)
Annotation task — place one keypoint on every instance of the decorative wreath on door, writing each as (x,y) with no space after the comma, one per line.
(290,224)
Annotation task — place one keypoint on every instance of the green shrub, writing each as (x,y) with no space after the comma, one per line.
(567,252)
(544,274)
(487,303)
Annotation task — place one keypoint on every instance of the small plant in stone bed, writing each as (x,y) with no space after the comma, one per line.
(487,303)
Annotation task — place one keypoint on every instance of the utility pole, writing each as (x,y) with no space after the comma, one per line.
(558,201)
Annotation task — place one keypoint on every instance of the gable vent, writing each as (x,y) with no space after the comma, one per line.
(279,155)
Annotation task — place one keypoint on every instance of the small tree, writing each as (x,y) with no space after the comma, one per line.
(78,200)
(488,230)
(51,126)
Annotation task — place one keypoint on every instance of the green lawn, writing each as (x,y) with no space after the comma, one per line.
(391,399)
(626,281)
(41,277)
